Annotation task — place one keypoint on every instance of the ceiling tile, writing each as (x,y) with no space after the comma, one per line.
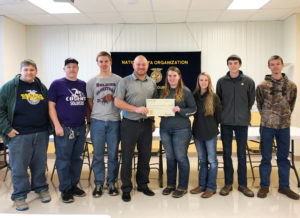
(170,5)
(146,11)
(138,17)
(35,19)
(106,17)
(210,5)
(19,19)
(170,17)
(73,18)
(236,15)
(94,5)
(270,14)
(138,5)
(2,2)
(279,4)
(203,16)
(24,7)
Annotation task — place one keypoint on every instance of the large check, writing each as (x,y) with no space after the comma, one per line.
(160,107)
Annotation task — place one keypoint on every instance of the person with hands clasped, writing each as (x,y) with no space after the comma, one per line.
(205,131)
(175,132)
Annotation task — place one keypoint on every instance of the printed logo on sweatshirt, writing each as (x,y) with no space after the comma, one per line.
(32,97)
(77,98)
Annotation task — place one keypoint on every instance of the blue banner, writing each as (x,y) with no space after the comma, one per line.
(189,64)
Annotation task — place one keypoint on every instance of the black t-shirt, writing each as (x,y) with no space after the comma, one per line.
(31,111)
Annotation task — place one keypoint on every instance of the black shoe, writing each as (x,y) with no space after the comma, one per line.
(146,191)
(168,190)
(178,193)
(67,197)
(97,191)
(77,192)
(112,190)
(126,196)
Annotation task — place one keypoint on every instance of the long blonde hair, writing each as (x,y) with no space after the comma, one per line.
(179,89)
(209,108)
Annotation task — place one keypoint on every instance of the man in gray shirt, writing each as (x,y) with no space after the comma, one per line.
(105,124)
(136,128)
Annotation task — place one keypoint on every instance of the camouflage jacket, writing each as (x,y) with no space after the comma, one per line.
(275,101)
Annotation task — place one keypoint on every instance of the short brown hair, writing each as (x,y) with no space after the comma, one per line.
(103,53)
(234,58)
(28,62)
(275,57)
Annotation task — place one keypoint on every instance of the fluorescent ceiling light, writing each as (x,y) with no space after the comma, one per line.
(246,4)
(55,7)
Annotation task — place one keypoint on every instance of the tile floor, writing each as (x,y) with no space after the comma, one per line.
(235,205)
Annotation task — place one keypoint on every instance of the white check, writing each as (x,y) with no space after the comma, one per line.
(160,107)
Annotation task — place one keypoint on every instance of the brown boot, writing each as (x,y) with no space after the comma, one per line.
(225,190)
(289,193)
(196,190)
(208,194)
(263,192)
(246,191)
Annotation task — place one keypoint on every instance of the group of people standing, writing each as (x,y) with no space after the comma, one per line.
(71,108)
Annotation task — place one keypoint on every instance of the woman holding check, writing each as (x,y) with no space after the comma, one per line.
(175,132)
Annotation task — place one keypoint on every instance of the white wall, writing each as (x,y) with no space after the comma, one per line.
(289,51)
(255,42)
(292,54)
(2,77)
(14,48)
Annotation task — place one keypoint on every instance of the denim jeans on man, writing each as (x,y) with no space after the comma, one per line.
(176,143)
(68,152)
(207,154)
(283,147)
(241,136)
(25,151)
(105,132)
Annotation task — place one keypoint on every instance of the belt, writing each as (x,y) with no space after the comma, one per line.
(142,120)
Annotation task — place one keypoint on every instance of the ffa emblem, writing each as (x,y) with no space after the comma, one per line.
(156,74)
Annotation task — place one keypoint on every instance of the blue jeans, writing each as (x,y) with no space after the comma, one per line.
(207,154)
(283,147)
(241,136)
(105,132)
(68,153)
(176,143)
(25,151)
